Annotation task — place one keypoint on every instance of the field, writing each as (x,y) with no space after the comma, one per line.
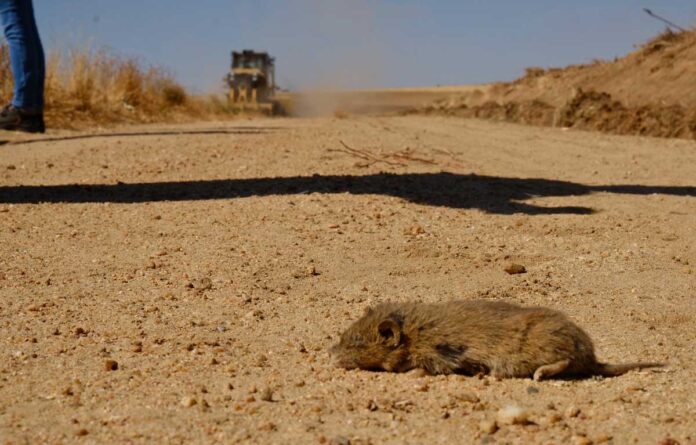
(182,283)
(390,100)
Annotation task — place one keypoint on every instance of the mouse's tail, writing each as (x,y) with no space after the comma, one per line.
(607,370)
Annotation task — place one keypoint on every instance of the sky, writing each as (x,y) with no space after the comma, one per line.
(358,43)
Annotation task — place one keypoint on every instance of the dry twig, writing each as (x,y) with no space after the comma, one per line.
(366,155)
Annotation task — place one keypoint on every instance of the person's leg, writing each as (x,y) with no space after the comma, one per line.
(40,60)
(26,52)
(36,69)
(27,64)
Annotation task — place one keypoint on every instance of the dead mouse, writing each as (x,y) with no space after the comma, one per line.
(471,337)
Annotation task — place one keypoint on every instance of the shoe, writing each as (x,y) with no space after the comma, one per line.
(18,119)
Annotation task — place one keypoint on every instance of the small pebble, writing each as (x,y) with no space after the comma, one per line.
(532,390)
(512,415)
(340,440)
(188,401)
(414,230)
(82,432)
(514,268)
(488,426)
(111,365)
(421,386)
(572,411)
(202,284)
(266,394)
(268,426)
(581,440)
(554,418)
(466,397)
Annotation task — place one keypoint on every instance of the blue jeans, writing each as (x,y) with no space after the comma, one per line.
(26,53)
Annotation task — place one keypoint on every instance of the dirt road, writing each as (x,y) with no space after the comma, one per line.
(210,266)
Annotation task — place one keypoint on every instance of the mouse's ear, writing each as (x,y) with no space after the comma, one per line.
(390,330)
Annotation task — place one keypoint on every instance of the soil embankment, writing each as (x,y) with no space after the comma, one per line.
(649,92)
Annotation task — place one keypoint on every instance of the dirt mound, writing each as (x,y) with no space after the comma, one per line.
(659,72)
(648,92)
(599,111)
(534,112)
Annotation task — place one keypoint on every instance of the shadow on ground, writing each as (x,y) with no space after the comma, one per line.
(231,130)
(488,193)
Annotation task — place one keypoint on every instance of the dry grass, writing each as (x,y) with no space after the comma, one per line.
(86,88)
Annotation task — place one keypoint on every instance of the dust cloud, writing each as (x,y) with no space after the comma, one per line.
(328,47)
(331,55)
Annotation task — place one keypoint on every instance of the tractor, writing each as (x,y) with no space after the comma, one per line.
(252,81)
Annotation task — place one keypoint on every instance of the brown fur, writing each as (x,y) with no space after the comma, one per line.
(470,337)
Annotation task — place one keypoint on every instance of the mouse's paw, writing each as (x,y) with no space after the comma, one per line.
(546,371)
(419,372)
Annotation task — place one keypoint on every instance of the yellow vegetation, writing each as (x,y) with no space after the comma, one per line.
(86,88)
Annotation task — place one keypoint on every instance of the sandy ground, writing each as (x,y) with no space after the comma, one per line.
(181,284)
